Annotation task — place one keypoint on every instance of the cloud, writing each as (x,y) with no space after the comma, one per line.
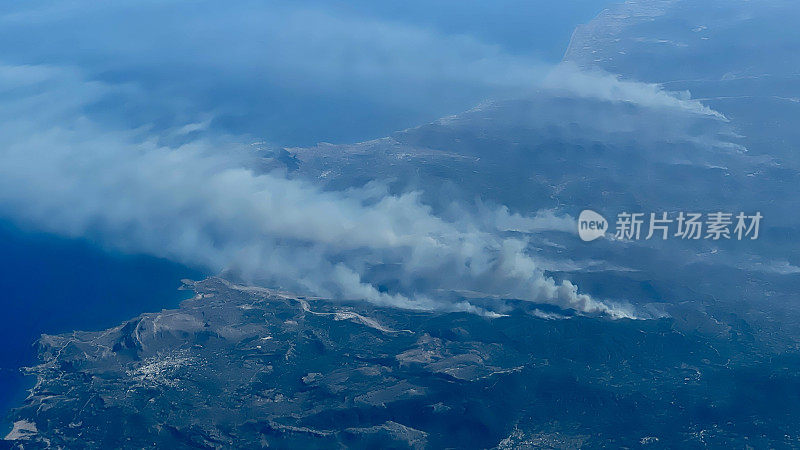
(777,267)
(541,221)
(290,72)
(289,44)
(125,151)
(197,202)
(611,88)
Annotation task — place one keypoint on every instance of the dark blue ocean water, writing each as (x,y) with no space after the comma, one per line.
(52,285)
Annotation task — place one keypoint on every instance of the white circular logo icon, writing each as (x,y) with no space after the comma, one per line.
(591,225)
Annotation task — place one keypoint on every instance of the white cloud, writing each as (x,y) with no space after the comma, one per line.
(609,87)
(65,173)
(267,45)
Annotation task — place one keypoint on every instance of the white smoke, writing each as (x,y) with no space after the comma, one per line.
(609,87)
(198,203)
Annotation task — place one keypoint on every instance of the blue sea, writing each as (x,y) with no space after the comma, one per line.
(53,285)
